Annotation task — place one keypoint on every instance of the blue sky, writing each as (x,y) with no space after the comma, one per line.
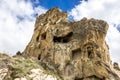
(18,18)
(65,5)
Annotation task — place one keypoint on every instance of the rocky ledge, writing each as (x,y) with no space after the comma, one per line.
(69,50)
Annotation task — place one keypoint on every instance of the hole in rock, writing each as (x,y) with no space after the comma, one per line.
(76,53)
(37,39)
(39,56)
(90,52)
(63,39)
(43,36)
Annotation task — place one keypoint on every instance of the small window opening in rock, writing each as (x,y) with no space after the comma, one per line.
(39,56)
(76,53)
(63,39)
(37,39)
(89,54)
(43,36)
(89,51)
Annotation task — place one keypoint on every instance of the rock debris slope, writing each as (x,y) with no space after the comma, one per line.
(72,50)
(21,68)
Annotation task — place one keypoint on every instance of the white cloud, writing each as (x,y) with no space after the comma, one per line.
(16,24)
(39,10)
(108,10)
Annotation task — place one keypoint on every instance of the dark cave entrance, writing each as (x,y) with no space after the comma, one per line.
(63,39)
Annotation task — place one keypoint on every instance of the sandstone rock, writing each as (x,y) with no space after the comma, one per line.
(3,73)
(20,68)
(73,50)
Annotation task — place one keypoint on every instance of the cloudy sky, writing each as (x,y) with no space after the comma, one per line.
(17,18)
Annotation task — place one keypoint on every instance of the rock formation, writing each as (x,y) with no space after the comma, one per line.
(73,50)
(20,68)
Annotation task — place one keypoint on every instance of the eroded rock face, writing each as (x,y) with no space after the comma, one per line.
(74,50)
(20,68)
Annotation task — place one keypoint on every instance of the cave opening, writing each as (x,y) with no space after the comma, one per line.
(76,53)
(43,36)
(89,52)
(37,39)
(63,39)
(39,56)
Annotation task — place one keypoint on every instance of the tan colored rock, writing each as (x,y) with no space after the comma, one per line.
(3,73)
(73,50)
(20,68)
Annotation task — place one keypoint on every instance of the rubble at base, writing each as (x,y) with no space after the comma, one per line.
(20,68)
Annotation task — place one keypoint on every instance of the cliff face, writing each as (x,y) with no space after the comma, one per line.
(73,50)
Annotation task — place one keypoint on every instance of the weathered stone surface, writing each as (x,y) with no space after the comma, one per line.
(20,68)
(73,50)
